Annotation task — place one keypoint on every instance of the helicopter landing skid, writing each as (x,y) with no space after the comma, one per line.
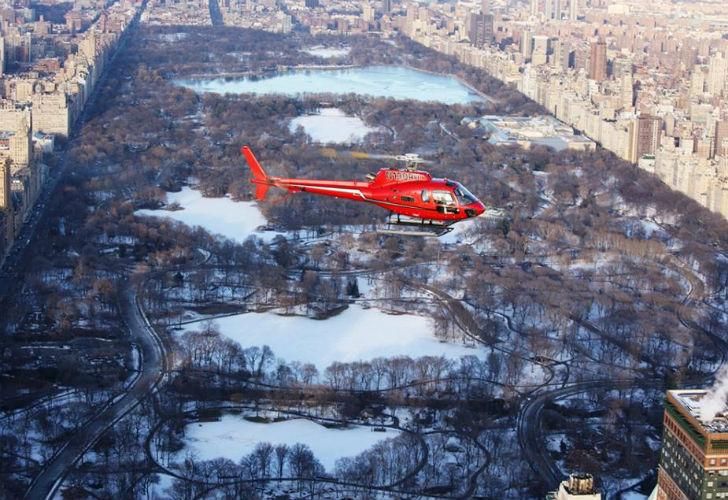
(408,226)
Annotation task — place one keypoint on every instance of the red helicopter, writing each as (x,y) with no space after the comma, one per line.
(413,196)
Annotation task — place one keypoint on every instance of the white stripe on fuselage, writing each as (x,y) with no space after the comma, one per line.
(326,188)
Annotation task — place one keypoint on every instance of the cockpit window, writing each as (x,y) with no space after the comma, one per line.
(444,197)
(465,197)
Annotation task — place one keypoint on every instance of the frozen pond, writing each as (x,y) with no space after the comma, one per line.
(397,82)
(234,437)
(332,125)
(355,334)
(235,220)
(327,52)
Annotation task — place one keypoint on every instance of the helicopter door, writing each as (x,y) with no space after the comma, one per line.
(445,201)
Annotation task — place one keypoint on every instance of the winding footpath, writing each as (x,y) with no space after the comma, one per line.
(152,370)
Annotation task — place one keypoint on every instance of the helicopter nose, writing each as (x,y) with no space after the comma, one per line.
(475,209)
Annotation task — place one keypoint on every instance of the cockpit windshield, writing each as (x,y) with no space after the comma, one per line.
(464,196)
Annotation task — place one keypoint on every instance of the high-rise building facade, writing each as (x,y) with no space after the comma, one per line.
(720,143)
(526,45)
(598,61)
(648,131)
(694,457)
(573,10)
(534,7)
(480,29)
(552,9)
(540,49)
(2,56)
(51,114)
(367,12)
(6,195)
(717,75)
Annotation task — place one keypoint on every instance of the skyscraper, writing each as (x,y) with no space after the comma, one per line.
(717,74)
(485,6)
(598,61)
(573,9)
(540,49)
(480,29)
(627,91)
(6,209)
(367,12)
(5,192)
(526,45)
(720,143)
(648,135)
(555,9)
(694,457)
(534,7)
(2,56)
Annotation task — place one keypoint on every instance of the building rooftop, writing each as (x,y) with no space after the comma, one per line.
(544,130)
(691,400)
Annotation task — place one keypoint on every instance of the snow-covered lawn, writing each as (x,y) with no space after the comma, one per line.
(460,231)
(633,495)
(327,52)
(234,437)
(355,334)
(332,125)
(158,490)
(235,220)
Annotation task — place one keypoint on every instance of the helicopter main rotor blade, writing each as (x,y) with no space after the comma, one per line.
(361,155)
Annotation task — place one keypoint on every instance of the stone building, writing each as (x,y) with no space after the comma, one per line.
(694,457)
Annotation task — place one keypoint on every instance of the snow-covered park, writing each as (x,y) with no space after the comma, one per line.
(236,220)
(355,334)
(234,437)
(332,125)
(327,52)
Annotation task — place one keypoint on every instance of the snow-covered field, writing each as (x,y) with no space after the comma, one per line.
(235,220)
(632,495)
(234,437)
(355,334)
(158,490)
(332,125)
(460,231)
(327,52)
